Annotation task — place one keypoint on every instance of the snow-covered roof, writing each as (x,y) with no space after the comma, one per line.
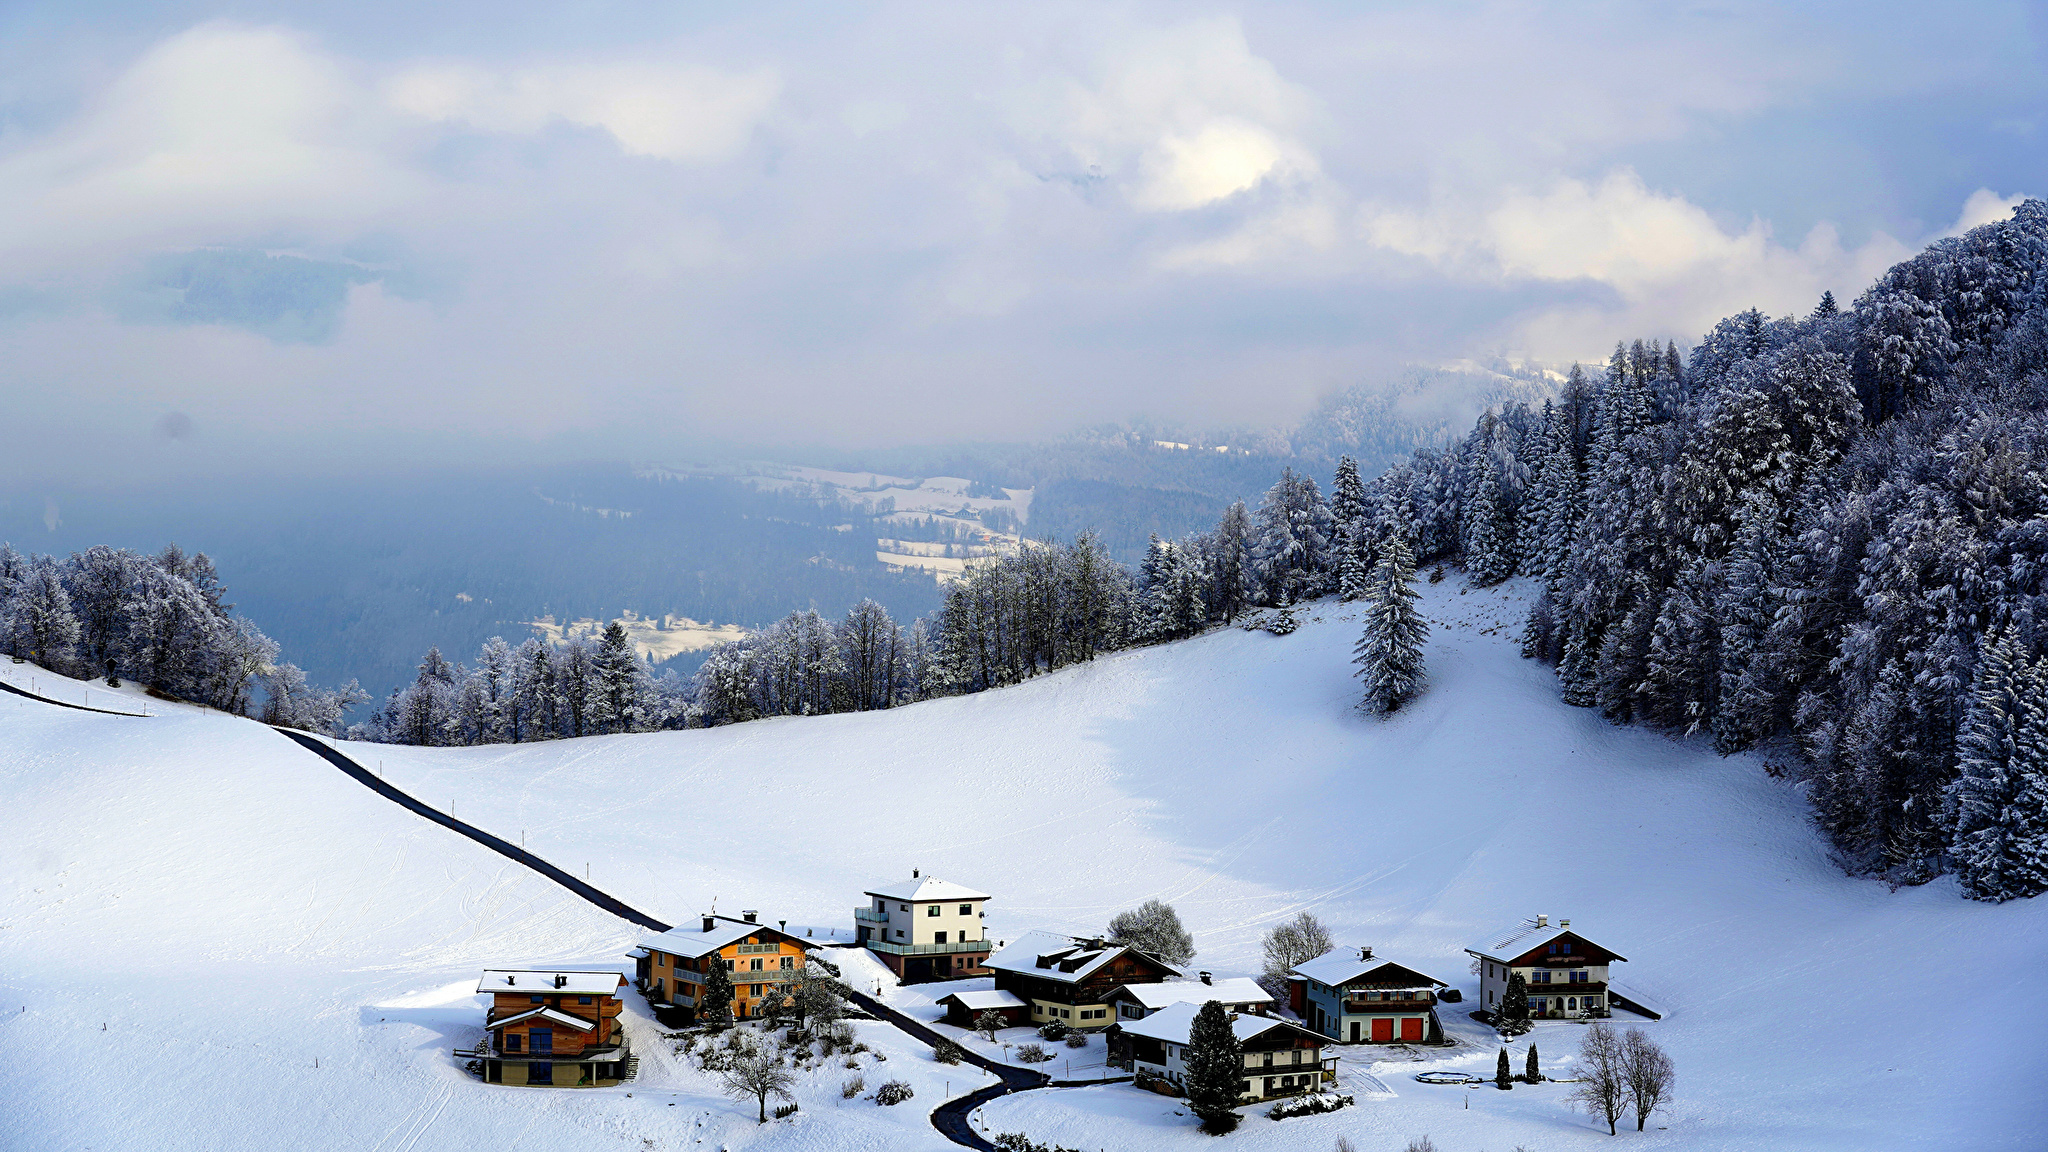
(1522,936)
(1173,1023)
(573,983)
(691,940)
(1071,959)
(576,1022)
(1344,965)
(983,1001)
(925,888)
(1234,990)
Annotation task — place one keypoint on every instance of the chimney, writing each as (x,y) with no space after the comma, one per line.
(561,981)
(913,873)
(1564,923)
(1542,921)
(710,922)
(782,924)
(1205,978)
(512,980)
(749,914)
(1365,953)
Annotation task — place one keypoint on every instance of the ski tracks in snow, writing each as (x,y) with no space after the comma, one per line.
(405,1135)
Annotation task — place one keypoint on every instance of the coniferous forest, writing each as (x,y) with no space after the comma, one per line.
(1824,538)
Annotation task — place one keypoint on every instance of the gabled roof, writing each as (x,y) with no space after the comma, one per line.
(1233,990)
(1172,1024)
(541,983)
(1526,936)
(925,888)
(983,1001)
(1345,965)
(576,1022)
(1068,959)
(691,940)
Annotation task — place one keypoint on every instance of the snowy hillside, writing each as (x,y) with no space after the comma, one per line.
(232,908)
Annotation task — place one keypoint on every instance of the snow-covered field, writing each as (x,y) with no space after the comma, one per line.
(232,909)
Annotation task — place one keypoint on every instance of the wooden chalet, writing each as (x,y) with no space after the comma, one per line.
(1280,1058)
(1070,978)
(553,1029)
(1566,973)
(1357,998)
(964,1008)
(759,960)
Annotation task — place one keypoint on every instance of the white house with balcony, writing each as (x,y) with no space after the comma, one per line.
(1565,972)
(924,928)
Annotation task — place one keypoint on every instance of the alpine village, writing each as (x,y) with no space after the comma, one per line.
(1237,1040)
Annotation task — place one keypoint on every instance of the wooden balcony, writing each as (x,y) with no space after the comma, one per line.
(1563,988)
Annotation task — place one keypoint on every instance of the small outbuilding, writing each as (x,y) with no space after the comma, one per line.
(964,1008)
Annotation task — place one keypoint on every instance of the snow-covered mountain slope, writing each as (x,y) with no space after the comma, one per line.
(232,908)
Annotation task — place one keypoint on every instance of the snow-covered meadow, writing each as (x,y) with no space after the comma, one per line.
(232,909)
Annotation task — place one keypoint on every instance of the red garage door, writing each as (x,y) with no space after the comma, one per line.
(1382,1031)
(1411,1028)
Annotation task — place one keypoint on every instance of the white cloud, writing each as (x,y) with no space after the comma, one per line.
(220,127)
(666,112)
(1188,116)
(1670,267)
(1984,207)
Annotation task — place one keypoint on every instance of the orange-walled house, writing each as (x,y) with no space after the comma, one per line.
(554,1029)
(758,959)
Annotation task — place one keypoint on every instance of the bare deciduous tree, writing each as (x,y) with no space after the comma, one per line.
(1603,1090)
(1647,1073)
(1154,927)
(1290,944)
(757,1076)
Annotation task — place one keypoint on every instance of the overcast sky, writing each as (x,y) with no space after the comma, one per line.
(603,228)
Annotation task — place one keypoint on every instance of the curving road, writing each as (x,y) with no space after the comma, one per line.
(952,1118)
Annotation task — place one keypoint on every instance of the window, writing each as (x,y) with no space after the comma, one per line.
(583,999)
(1579,977)
(754,965)
(1489,997)
(729,966)
(938,937)
(756,993)
(789,961)
(543,1040)
(1543,976)
(512,1041)
(1571,1003)
(1553,949)
(967,909)
(903,907)
(1489,971)
(899,933)
(540,1073)
(934,910)
(535,999)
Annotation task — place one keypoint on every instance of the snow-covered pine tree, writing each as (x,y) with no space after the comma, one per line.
(1294,540)
(1490,536)
(1997,807)
(1347,500)
(1215,1069)
(1389,652)
(39,622)
(619,677)
(1233,579)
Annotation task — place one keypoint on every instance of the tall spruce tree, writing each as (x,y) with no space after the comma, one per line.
(714,1003)
(1389,652)
(1997,807)
(1215,1069)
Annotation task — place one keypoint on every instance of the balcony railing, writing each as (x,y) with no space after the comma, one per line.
(929,949)
(1565,988)
(870,915)
(1363,1007)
